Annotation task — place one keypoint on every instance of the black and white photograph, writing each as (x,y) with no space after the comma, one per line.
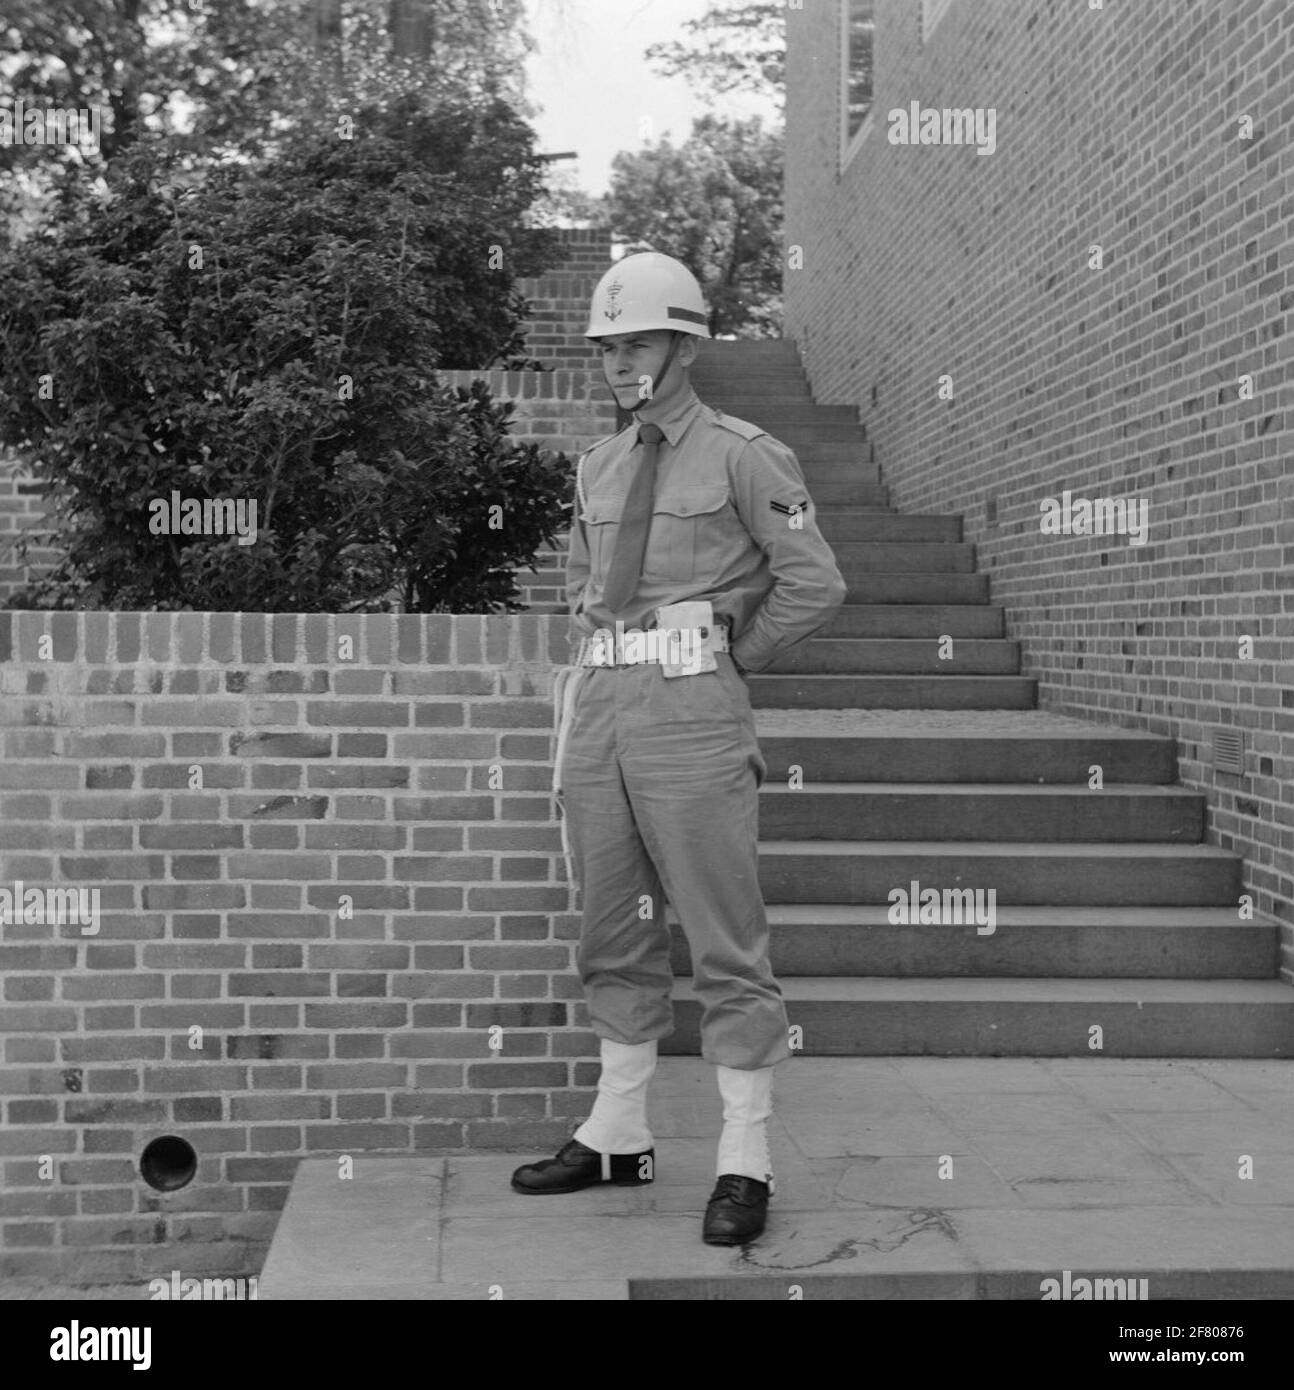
(646,654)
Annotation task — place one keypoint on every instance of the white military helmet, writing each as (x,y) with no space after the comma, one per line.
(647,291)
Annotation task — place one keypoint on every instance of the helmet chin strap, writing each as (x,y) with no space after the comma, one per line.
(660,375)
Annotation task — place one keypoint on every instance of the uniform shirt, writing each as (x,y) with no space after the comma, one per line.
(732,522)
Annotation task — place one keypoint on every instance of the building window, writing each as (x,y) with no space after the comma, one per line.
(856,30)
(932,11)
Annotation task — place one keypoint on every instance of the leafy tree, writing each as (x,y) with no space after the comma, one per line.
(271,333)
(715,202)
(734,48)
(222,78)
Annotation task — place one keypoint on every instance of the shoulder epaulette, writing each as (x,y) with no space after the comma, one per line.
(742,427)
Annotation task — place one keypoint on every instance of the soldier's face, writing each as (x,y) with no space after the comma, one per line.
(631,362)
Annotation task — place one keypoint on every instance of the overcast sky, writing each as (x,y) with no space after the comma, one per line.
(593,85)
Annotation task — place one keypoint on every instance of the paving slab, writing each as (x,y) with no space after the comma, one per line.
(375,1229)
(935,1076)
(1238,1129)
(899,1182)
(898,1177)
(820,1136)
(1271,1185)
(1108,1191)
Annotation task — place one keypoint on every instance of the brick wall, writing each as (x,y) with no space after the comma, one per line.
(559,300)
(20,513)
(559,315)
(412,774)
(586,251)
(1118,127)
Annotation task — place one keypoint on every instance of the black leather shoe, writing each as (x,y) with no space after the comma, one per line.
(577,1166)
(736,1211)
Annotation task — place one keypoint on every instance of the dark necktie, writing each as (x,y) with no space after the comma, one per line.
(635,522)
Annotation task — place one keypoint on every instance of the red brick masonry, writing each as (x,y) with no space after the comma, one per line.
(411,774)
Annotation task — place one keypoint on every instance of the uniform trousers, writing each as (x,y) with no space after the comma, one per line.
(660,782)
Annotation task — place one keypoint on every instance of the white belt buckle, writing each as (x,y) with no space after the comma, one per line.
(687,635)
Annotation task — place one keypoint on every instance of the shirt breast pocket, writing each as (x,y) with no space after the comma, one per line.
(688,526)
(601,518)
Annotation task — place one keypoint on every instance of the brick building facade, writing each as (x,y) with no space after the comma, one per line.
(996,359)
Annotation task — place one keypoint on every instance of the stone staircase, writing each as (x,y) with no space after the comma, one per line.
(921,756)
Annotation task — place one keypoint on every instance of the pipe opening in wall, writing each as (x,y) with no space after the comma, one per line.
(168,1163)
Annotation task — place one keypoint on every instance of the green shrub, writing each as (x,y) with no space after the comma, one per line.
(271,334)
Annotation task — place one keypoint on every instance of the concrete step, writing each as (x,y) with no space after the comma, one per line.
(801,435)
(989,812)
(916,620)
(899,656)
(904,1291)
(926,589)
(774,413)
(1027,941)
(821,451)
(718,389)
(744,352)
(839,524)
(893,692)
(1105,874)
(1007,1017)
(856,474)
(851,494)
(742,382)
(862,748)
(904,557)
(854,471)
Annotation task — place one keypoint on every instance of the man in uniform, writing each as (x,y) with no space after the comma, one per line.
(657,761)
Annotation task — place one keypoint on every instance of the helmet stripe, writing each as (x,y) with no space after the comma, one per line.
(686,314)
